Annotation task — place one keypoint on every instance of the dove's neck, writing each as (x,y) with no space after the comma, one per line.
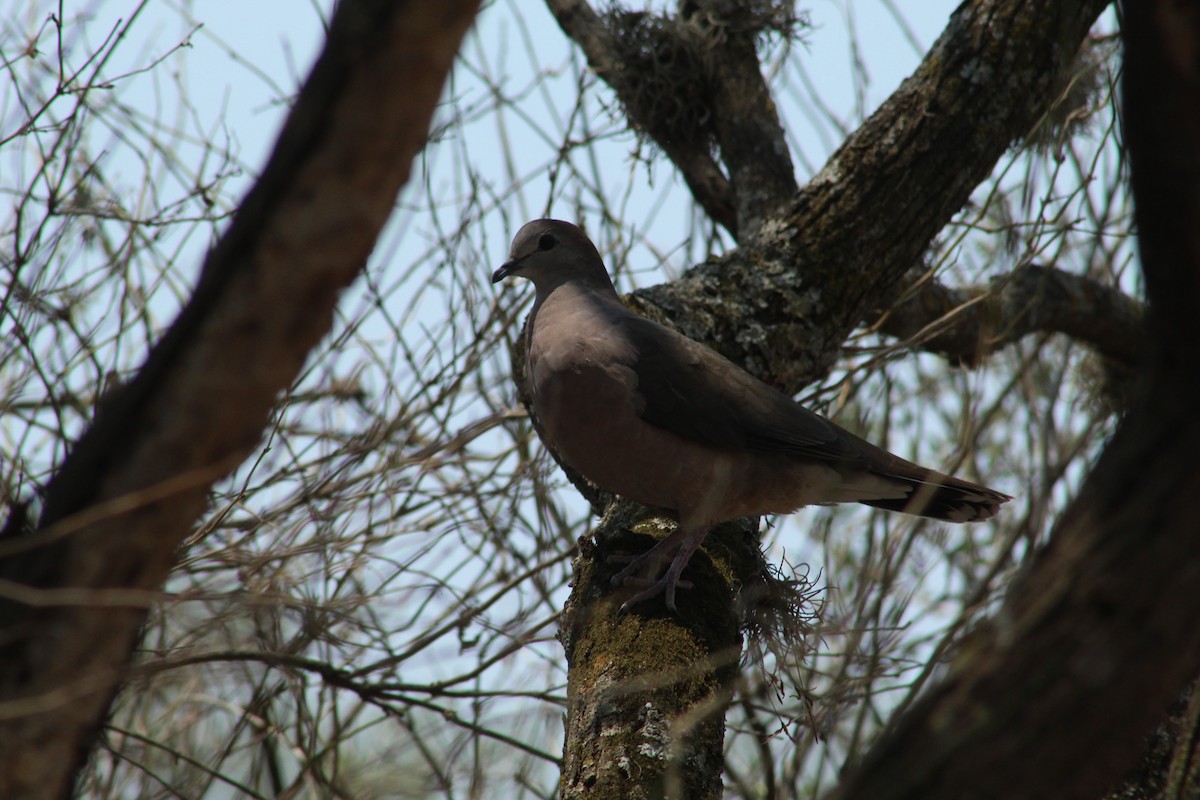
(588,290)
(573,306)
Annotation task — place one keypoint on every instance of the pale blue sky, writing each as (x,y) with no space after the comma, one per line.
(248,57)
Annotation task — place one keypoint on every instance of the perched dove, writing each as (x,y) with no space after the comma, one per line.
(653,416)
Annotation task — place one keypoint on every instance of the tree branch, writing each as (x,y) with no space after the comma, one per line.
(970,323)
(748,132)
(651,68)
(134,484)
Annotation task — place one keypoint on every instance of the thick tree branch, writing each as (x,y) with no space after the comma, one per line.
(136,482)
(748,132)
(691,82)
(1053,696)
(970,323)
(783,305)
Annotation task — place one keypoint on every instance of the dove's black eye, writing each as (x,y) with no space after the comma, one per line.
(546,242)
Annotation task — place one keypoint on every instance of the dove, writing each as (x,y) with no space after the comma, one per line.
(653,416)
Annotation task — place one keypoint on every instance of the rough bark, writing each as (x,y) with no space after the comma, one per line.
(75,590)
(648,690)
(1052,697)
(782,305)
(1169,767)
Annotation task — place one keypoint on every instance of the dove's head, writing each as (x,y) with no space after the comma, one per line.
(551,252)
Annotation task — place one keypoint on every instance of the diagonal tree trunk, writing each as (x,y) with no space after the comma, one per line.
(74,591)
(1053,696)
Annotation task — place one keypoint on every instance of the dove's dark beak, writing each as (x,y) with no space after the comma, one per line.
(506,269)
